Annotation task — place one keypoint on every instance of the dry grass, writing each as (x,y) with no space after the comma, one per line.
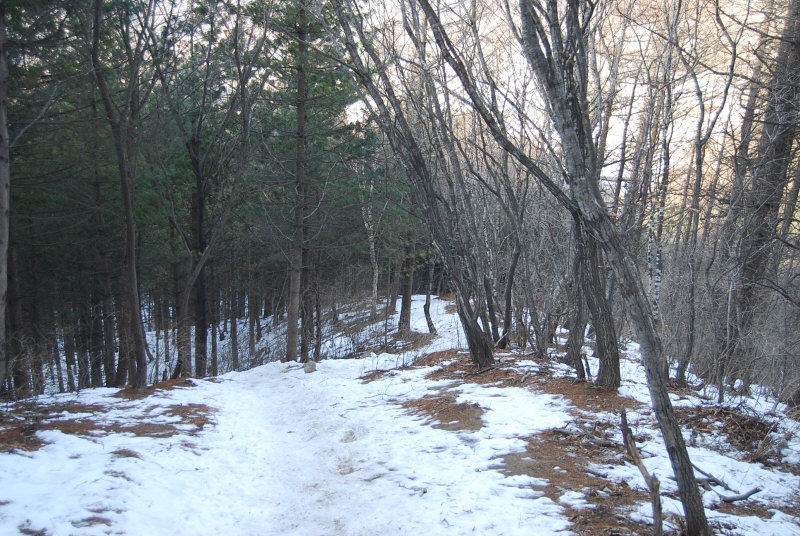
(92,521)
(126,453)
(31,532)
(745,432)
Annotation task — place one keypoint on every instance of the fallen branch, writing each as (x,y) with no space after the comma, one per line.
(711,479)
(567,432)
(596,473)
(481,371)
(708,479)
(740,497)
(601,442)
(652,482)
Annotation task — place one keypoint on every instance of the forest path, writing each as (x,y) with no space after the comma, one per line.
(277,451)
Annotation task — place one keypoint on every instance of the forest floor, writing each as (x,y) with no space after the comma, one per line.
(412,441)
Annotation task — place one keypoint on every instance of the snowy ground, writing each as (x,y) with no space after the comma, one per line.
(277,451)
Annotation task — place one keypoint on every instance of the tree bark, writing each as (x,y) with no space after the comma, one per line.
(490,309)
(606,342)
(298,215)
(480,347)
(200,298)
(125,348)
(427,307)
(234,333)
(5,191)
(406,288)
(215,317)
(577,327)
(122,130)
(82,342)
(18,367)
(69,356)
(96,340)
(507,304)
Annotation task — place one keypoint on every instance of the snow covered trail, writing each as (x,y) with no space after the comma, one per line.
(289,453)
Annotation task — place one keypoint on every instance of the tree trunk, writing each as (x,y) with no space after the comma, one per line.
(122,131)
(394,288)
(109,340)
(298,217)
(82,336)
(368,218)
(577,327)
(96,340)
(215,317)
(306,309)
(480,348)
(489,291)
(69,356)
(125,348)
(508,309)
(317,319)
(253,310)
(427,307)
(5,192)
(406,287)
(18,367)
(606,342)
(635,298)
(183,365)
(55,358)
(234,333)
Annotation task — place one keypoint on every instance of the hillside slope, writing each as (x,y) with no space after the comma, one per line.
(377,446)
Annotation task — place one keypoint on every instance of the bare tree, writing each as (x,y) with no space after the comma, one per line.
(435,173)
(554,42)
(768,178)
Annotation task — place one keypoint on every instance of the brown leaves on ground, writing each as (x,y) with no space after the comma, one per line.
(19,424)
(445,413)
(561,456)
(561,460)
(129,393)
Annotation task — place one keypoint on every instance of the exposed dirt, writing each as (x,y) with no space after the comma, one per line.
(558,456)
(561,456)
(129,393)
(561,461)
(19,424)
(437,358)
(91,522)
(443,412)
(125,453)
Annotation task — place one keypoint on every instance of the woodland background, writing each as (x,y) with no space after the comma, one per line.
(179,168)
